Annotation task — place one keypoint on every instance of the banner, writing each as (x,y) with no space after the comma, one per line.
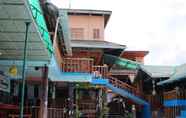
(4,83)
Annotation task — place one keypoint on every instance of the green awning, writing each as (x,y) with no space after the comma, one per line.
(124,63)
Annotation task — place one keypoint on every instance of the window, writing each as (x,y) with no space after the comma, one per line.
(96,33)
(77,33)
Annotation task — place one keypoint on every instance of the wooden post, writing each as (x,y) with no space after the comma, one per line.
(71,100)
(44,99)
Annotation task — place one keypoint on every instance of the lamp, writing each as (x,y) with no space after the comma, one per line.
(153,88)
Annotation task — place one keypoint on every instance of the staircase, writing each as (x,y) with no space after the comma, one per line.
(77,71)
(124,90)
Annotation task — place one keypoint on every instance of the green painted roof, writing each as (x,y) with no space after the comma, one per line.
(40,21)
(157,71)
(122,62)
(178,75)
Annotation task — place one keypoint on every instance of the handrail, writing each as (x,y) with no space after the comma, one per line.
(52,112)
(123,85)
(103,70)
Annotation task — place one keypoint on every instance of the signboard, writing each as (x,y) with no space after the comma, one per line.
(4,83)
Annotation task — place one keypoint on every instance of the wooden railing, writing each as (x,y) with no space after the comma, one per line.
(102,70)
(170,95)
(52,112)
(119,84)
(172,112)
(87,106)
(77,65)
(175,94)
(83,65)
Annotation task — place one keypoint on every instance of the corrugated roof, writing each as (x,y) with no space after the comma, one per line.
(158,71)
(95,44)
(179,74)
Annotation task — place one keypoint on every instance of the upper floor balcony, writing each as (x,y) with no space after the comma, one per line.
(84,65)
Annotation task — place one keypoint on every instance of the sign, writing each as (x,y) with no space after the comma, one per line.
(4,83)
(13,71)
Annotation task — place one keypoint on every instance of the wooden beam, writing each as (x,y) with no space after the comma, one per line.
(44,99)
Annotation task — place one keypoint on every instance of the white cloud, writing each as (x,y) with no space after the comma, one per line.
(155,25)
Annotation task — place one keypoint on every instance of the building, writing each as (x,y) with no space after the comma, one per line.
(71,69)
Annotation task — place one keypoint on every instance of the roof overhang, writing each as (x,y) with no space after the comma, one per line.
(178,75)
(96,44)
(104,13)
(157,71)
(107,47)
(13,15)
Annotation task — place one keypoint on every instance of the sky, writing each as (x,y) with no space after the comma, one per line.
(158,26)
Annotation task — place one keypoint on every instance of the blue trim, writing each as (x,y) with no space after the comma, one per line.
(174,102)
(99,81)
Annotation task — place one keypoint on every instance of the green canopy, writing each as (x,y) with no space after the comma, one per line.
(40,21)
(122,62)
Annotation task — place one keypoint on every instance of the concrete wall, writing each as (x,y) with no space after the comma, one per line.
(88,23)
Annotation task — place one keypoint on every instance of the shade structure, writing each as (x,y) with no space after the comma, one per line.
(13,15)
(124,63)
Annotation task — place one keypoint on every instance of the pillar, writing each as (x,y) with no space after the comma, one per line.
(44,98)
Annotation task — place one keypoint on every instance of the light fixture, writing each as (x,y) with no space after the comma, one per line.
(154,88)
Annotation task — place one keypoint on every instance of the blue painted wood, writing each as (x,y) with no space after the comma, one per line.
(174,102)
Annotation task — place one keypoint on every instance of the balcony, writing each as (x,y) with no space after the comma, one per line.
(83,65)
